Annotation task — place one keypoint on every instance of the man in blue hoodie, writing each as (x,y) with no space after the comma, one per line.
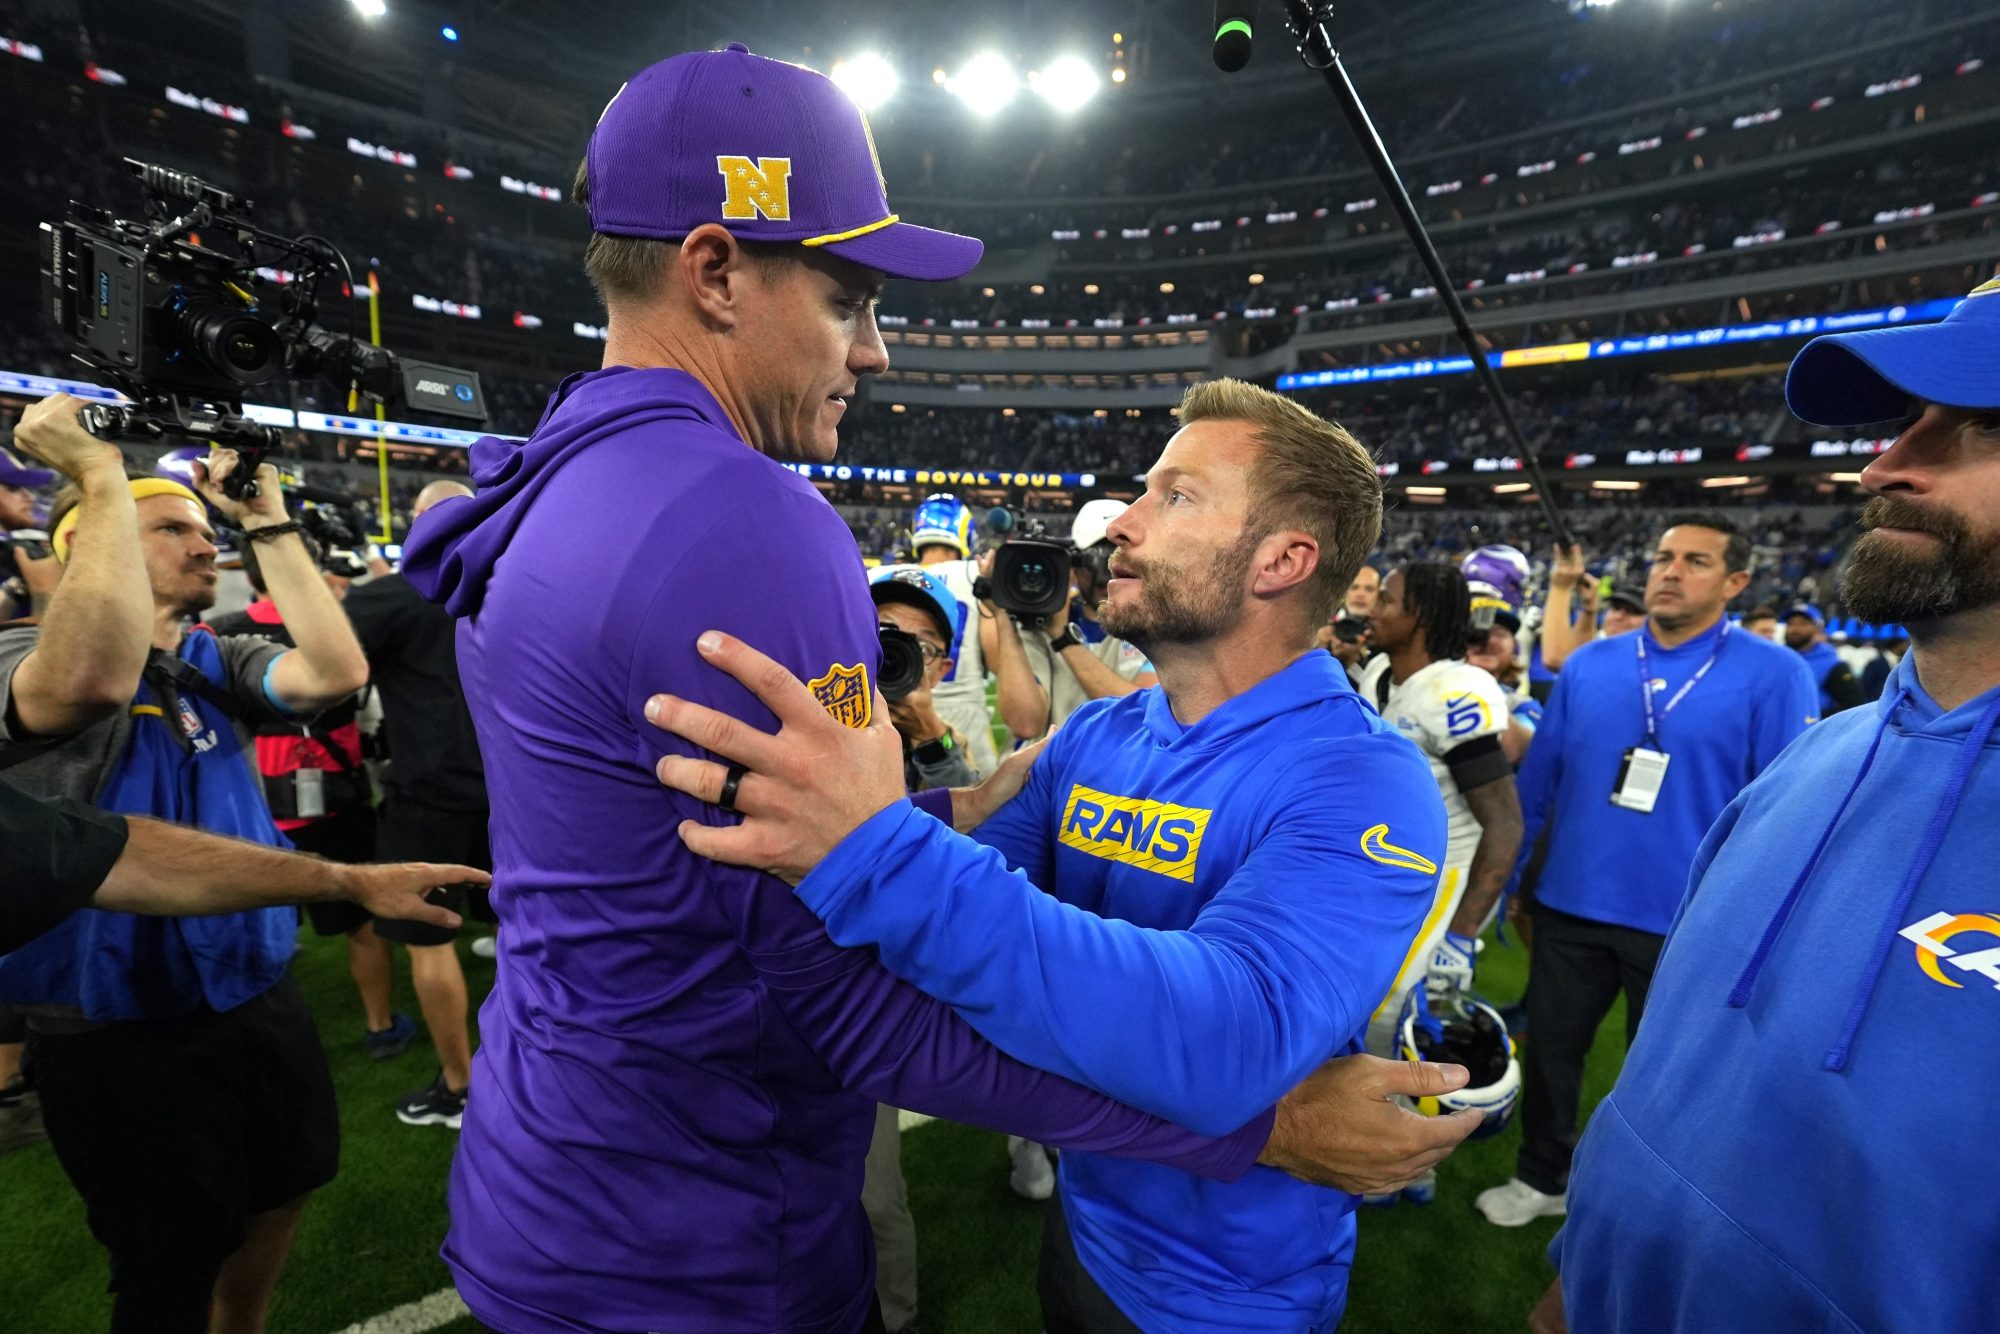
(1780,1152)
(675,1087)
(1201,893)
(1805,635)
(1647,736)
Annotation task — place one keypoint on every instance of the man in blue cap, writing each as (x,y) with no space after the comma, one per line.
(1805,635)
(678,1069)
(1821,1050)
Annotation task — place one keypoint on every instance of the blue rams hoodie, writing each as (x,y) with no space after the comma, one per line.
(1795,1142)
(1227,903)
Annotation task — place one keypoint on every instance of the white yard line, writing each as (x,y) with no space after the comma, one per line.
(417,1317)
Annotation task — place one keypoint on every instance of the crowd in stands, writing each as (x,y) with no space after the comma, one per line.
(417,245)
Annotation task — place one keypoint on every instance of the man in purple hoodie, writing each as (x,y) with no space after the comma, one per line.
(674,1093)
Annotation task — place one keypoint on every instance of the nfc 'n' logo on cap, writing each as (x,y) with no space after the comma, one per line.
(751,188)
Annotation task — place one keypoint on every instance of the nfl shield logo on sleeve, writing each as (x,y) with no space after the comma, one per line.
(843,692)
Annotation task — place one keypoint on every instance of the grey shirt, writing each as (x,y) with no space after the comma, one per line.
(77,765)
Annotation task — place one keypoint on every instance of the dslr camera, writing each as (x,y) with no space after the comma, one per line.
(183,327)
(1030,575)
(902,669)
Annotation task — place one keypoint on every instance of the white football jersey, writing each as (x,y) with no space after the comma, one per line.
(1440,708)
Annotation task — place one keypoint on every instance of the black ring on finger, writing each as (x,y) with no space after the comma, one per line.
(731,780)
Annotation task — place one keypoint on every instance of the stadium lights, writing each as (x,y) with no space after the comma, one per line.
(986,83)
(1512,488)
(1617,486)
(1067,84)
(1846,476)
(1424,490)
(868,78)
(1725,481)
(370,9)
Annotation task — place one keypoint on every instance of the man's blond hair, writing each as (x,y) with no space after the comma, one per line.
(1310,474)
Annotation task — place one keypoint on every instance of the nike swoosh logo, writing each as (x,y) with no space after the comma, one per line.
(1378,849)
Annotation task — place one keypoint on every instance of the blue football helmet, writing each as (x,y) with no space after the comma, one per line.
(942,520)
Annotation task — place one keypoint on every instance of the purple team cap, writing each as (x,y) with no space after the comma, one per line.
(770,150)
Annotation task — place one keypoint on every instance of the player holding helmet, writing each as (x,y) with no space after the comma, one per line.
(1457,715)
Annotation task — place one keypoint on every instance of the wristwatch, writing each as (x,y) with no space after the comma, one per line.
(934,752)
(1067,639)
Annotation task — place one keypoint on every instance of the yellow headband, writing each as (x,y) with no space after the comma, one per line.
(142,488)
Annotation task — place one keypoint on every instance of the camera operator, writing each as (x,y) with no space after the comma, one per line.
(1345,636)
(1072,658)
(196,1020)
(436,809)
(28,569)
(941,537)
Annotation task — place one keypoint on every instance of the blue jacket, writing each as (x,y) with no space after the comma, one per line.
(1227,904)
(1795,1141)
(114,965)
(1610,864)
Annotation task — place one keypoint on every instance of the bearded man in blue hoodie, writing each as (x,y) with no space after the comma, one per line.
(1793,1144)
(1203,890)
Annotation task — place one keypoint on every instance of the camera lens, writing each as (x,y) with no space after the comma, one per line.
(1033,578)
(231,343)
(902,663)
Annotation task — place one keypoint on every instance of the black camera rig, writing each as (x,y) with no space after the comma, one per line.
(182,327)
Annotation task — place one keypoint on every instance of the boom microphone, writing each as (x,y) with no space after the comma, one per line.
(1234,20)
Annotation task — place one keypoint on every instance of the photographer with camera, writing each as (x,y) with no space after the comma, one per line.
(1345,635)
(1072,658)
(28,569)
(941,538)
(195,1019)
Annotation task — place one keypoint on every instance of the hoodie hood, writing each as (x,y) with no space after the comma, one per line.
(1311,680)
(455,546)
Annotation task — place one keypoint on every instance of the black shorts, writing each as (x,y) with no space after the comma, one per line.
(174,1132)
(414,832)
(348,837)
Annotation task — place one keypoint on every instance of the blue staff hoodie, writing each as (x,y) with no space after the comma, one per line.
(1795,1142)
(1226,904)
(1610,864)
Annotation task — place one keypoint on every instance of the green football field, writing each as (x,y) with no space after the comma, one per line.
(369,1241)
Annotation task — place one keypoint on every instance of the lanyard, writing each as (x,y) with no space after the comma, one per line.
(1646,684)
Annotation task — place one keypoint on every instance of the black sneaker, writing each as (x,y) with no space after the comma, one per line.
(393,1040)
(20,1116)
(433,1106)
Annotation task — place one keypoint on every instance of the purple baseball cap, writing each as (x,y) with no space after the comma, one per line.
(13,472)
(770,150)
